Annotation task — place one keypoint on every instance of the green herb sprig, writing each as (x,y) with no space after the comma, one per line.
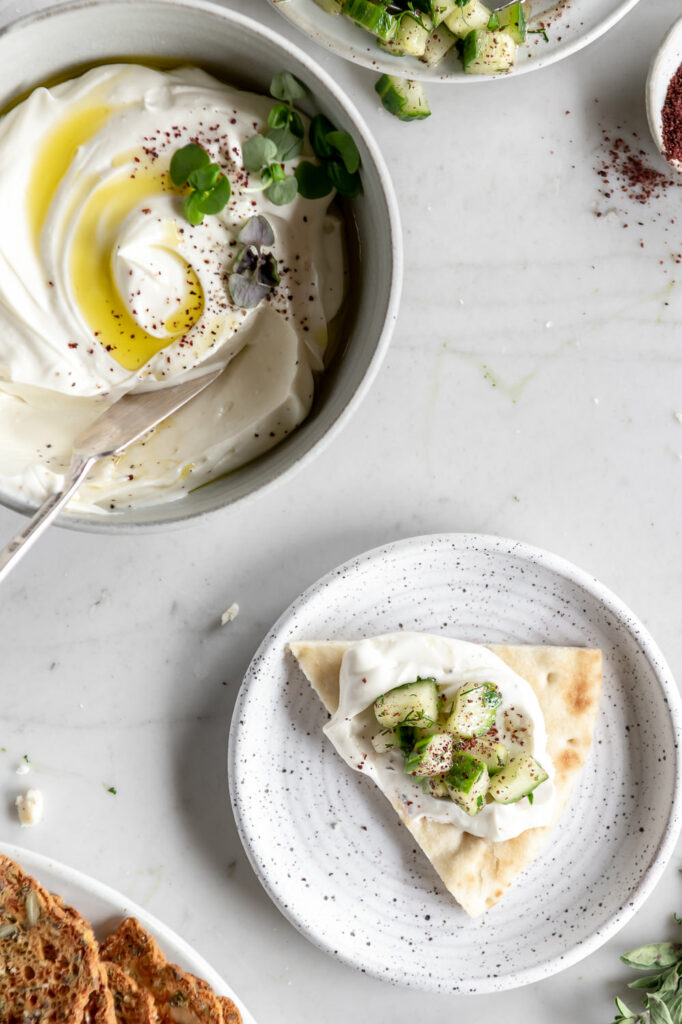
(254,274)
(662,987)
(339,163)
(210,188)
(266,154)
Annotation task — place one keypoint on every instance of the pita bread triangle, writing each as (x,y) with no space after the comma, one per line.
(567,683)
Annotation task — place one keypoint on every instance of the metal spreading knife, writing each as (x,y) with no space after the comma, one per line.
(125,421)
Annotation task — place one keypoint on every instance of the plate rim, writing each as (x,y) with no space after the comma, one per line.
(31,861)
(649,648)
(390,65)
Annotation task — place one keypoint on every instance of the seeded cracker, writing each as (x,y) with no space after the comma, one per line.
(49,968)
(178,997)
(131,1004)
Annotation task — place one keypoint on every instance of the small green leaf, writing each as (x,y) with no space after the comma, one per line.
(204,178)
(655,954)
(287,144)
(296,124)
(287,88)
(658,1011)
(313,180)
(650,982)
(279,116)
(282,192)
(277,172)
(320,128)
(219,196)
(245,292)
(190,158)
(347,185)
(345,146)
(194,207)
(257,231)
(257,152)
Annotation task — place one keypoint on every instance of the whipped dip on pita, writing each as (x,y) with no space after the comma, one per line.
(374,666)
(106,288)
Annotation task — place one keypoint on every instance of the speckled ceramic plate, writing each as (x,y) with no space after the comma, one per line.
(329,848)
(104,908)
(570,25)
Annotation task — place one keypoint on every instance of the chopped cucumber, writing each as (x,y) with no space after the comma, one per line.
(494,755)
(441,9)
(438,46)
(373,17)
(517,779)
(513,20)
(387,739)
(403,98)
(435,785)
(474,710)
(468,782)
(431,755)
(463,20)
(488,53)
(410,704)
(411,36)
(330,6)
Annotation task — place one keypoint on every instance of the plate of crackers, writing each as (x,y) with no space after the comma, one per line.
(75,950)
(415,899)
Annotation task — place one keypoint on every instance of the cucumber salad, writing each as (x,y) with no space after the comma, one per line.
(447,730)
(451,745)
(432,30)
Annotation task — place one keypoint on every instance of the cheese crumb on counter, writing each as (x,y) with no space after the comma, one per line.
(30,808)
(229,614)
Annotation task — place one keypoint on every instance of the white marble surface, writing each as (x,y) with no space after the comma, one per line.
(114,669)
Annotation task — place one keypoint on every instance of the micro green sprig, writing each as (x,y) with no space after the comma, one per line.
(266,154)
(254,274)
(210,188)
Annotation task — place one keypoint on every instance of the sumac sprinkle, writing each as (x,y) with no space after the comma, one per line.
(672,118)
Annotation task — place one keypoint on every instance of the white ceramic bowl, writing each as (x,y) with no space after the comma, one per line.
(665,63)
(333,854)
(243,51)
(569,30)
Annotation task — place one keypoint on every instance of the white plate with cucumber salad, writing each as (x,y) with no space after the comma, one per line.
(452,40)
(330,850)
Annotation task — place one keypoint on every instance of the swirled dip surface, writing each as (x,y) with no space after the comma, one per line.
(105,288)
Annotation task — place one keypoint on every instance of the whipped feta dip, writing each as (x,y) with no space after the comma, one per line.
(106,288)
(376,665)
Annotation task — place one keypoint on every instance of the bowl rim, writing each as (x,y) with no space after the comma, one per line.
(415,69)
(581,578)
(110,523)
